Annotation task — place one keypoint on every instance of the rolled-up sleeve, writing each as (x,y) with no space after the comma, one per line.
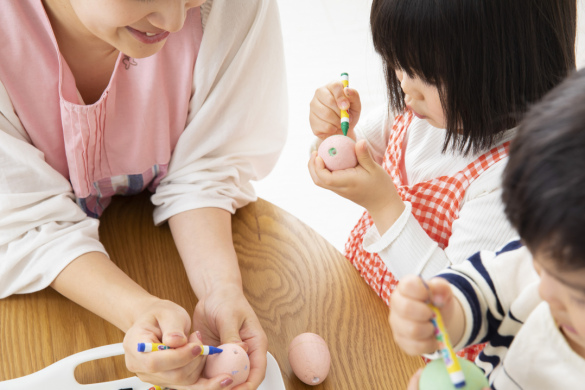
(237,121)
(41,227)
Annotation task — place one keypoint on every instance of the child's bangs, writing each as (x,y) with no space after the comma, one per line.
(407,36)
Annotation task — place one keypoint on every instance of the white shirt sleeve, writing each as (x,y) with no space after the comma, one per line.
(237,121)
(41,227)
(406,248)
(375,129)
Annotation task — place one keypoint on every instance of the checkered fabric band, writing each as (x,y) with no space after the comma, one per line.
(103,190)
(435,205)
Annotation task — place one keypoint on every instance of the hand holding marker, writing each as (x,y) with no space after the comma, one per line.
(445,348)
(152,347)
(338,151)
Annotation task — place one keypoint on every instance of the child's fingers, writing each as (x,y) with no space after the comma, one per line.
(336,90)
(414,310)
(326,106)
(415,347)
(317,169)
(364,157)
(413,383)
(353,96)
(440,291)
(414,338)
(406,328)
(412,286)
(324,127)
(311,166)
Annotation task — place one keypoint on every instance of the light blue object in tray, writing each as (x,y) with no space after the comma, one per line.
(61,375)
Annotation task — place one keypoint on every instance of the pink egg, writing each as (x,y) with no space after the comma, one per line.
(338,152)
(309,358)
(233,360)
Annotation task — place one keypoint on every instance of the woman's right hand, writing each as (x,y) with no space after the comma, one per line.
(325,115)
(178,368)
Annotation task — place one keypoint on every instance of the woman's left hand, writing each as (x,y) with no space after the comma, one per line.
(368,184)
(225,316)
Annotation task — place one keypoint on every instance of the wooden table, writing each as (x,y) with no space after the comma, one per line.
(295,280)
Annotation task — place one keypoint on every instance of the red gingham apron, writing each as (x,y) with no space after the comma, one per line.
(435,205)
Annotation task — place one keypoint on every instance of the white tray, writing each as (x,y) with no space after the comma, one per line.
(61,375)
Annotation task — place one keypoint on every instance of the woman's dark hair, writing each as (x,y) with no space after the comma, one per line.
(544,180)
(490,59)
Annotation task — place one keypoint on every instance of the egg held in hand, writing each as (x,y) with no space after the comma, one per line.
(436,377)
(233,361)
(338,152)
(309,358)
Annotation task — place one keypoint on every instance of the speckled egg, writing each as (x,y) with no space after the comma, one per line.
(309,358)
(436,377)
(233,360)
(338,152)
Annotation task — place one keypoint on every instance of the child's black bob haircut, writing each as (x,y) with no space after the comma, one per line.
(490,59)
(544,181)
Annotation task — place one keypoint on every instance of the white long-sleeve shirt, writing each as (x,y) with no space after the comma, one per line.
(405,247)
(235,130)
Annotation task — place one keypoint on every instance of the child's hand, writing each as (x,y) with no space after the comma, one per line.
(177,368)
(414,380)
(225,316)
(325,116)
(368,185)
(410,315)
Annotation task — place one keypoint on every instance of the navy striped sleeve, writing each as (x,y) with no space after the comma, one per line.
(463,285)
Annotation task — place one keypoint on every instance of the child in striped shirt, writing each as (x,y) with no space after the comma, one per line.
(528,299)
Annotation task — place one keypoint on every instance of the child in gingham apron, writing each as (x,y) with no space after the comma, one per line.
(435,205)
(430,179)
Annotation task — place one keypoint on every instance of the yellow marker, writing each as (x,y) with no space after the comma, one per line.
(445,349)
(344,113)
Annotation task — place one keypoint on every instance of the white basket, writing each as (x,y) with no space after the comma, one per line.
(61,375)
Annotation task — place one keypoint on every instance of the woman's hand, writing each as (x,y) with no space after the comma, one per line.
(368,185)
(178,368)
(225,316)
(325,116)
(410,314)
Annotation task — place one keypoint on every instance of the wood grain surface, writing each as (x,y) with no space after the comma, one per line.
(295,280)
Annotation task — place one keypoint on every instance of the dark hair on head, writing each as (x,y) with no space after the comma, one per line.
(544,181)
(490,59)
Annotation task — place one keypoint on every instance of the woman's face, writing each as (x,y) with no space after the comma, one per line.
(137,28)
(422,99)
